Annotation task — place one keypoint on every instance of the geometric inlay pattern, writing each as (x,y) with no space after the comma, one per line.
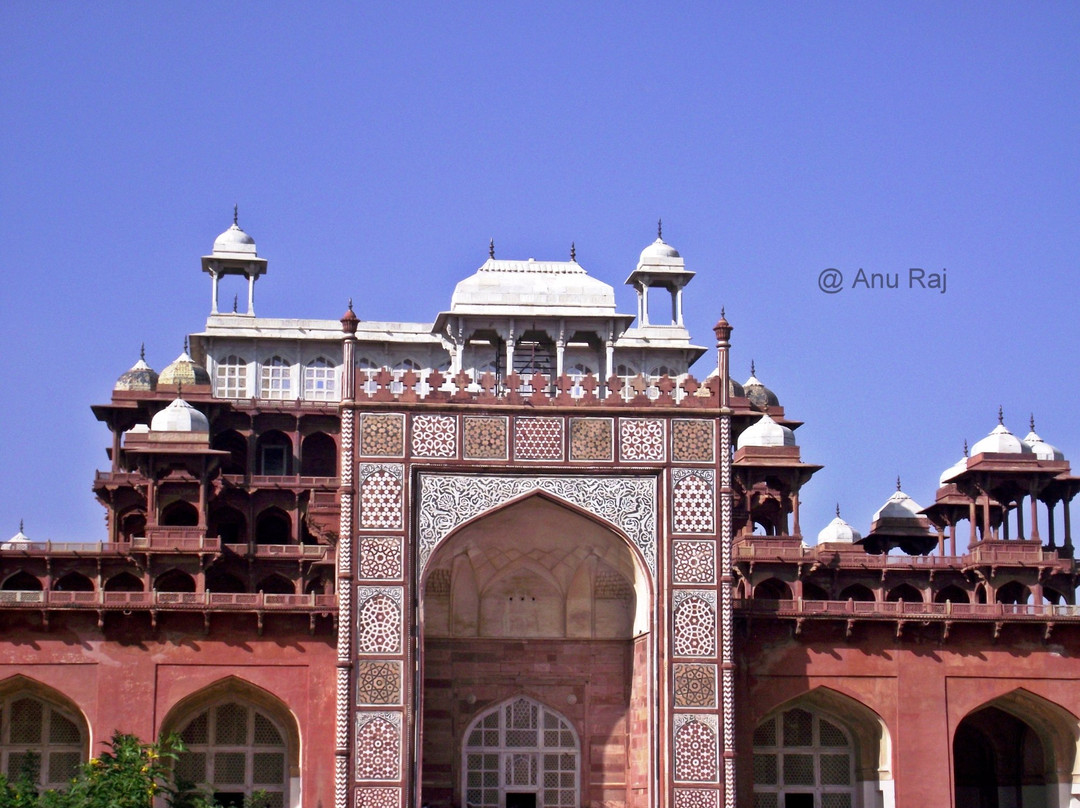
(485,437)
(692,500)
(378,619)
(696,749)
(538,438)
(378,798)
(694,623)
(378,746)
(693,562)
(380,557)
(449,500)
(382,435)
(380,496)
(692,441)
(641,439)
(697,798)
(590,439)
(378,682)
(434,436)
(695,684)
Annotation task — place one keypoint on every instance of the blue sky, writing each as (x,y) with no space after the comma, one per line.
(374,149)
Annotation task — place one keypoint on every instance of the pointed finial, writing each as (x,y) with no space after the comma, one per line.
(659,229)
(965,448)
(573,252)
(142,352)
(235,302)
(236,215)
(1001,416)
(491,249)
(185,345)
(897,482)
(753,371)
(179,389)
(723,314)
(20,525)
(1032,422)
(837,510)
(350,304)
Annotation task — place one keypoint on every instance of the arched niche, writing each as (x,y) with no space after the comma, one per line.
(870,737)
(1028,739)
(535,567)
(41,720)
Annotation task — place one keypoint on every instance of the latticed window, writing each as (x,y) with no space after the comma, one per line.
(231,381)
(801,753)
(320,380)
(520,747)
(38,738)
(234,749)
(627,374)
(276,379)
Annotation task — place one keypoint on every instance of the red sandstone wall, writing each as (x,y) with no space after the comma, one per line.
(921,685)
(129,677)
(595,675)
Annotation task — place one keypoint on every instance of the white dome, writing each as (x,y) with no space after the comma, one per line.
(533,288)
(898,506)
(658,249)
(234,241)
(766,432)
(957,467)
(838,531)
(1001,441)
(179,417)
(1042,449)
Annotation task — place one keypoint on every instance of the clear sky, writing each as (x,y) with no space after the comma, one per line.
(374,149)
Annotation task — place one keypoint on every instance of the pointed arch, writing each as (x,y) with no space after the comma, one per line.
(42,721)
(1056,728)
(871,740)
(234,689)
(520,744)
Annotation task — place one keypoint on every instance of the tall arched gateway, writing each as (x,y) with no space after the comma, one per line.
(536,660)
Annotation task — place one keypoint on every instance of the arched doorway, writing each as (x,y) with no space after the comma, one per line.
(238,740)
(535,603)
(40,734)
(520,754)
(1016,751)
(822,749)
(803,760)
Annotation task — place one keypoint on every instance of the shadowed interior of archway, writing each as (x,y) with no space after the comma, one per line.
(537,600)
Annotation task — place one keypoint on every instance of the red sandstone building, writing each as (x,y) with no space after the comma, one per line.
(521,557)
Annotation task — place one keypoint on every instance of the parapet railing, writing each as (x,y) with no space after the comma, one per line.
(854,559)
(196,601)
(537,389)
(315,552)
(908,609)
